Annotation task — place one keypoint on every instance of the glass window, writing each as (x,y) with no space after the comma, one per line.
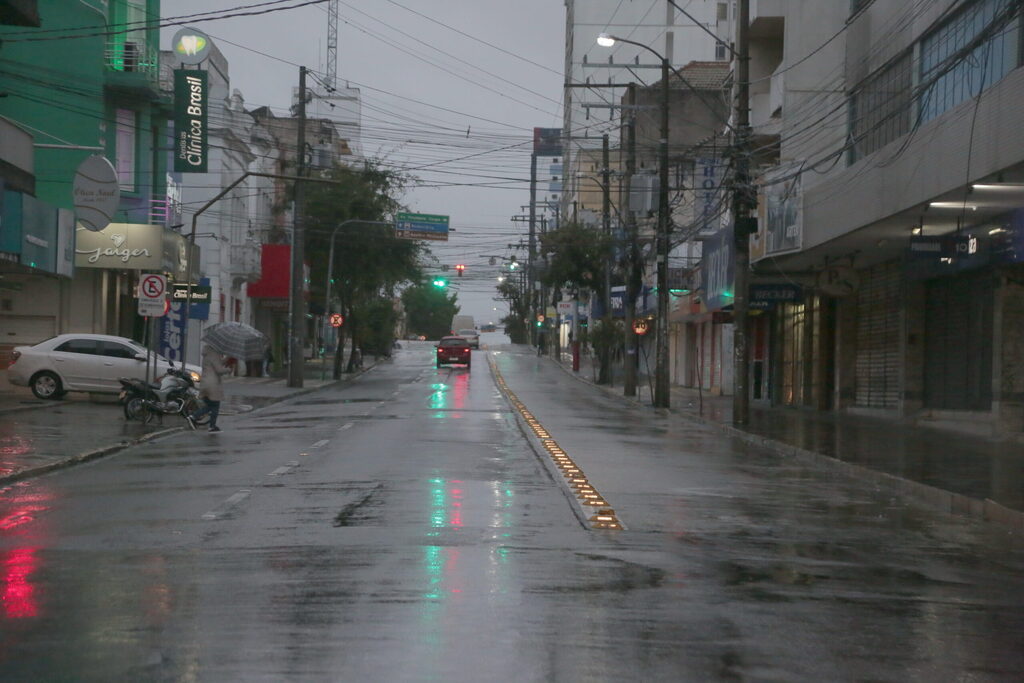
(126,141)
(453,342)
(85,346)
(115,350)
(880,108)
(948,75)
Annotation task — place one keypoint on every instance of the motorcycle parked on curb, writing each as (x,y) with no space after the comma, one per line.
(174,394)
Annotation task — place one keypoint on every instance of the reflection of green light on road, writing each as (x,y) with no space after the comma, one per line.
(435,566)
(437,399)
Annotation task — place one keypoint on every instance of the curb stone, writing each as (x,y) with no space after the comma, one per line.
(924,495)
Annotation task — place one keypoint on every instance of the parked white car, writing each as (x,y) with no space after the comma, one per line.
(82,362)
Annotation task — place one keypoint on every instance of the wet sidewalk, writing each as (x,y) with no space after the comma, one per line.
(945,470)
(39,436)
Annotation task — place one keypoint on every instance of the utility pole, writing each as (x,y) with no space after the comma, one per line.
(742,221)
(631,270)
(605,374)
(296,351)
(532,257)
(661,384)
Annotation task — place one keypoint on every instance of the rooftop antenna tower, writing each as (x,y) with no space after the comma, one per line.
(332,44)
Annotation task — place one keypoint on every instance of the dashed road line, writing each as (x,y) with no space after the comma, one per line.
(347,425)
(284,469)
(226,506)
(321,443)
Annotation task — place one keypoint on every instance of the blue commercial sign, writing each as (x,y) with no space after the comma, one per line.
(717,273)
(172,327)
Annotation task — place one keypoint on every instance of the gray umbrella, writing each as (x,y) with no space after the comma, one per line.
(237,340)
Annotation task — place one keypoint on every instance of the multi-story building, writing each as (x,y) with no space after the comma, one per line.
(80,95)
(596,77)
(893,214)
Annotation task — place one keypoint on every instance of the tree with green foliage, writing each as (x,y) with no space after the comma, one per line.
(428,310)
(575,257)
(370,262)
(379,320)
(516,326)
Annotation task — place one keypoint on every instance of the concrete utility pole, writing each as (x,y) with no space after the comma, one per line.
(661,374)
(742,221)
(532,256)
(629,377)
(296,350)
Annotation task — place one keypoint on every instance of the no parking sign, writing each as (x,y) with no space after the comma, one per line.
(152,295)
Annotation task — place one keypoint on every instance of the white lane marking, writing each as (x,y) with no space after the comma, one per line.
(345,426)
(231,502)
(321,443)
(284,469)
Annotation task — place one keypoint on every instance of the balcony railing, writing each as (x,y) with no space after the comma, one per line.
(245,261)
(132,56)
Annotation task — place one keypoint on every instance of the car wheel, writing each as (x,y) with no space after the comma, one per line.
(46,385)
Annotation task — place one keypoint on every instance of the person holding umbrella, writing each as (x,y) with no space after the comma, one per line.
(232,339)
(211,387)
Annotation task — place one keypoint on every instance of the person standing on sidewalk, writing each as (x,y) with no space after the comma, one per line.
(211,387)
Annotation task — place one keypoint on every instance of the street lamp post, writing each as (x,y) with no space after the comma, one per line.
(661,373)
(330,266)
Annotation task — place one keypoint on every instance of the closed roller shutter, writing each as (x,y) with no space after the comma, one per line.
(958,343)
(878,337)
(23,330)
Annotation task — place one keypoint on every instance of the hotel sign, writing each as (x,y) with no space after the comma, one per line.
(190,120)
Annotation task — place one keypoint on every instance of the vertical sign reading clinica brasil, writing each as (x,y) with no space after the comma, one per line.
(190,95)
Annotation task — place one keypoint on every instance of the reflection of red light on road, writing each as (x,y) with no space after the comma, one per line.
(18,594)
(461,391)
(456,516)
(20,516)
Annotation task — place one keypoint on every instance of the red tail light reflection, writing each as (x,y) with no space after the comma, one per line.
(18,596)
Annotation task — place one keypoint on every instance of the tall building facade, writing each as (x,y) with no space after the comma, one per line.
(894,212)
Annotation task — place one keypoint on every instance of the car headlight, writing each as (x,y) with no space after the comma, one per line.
(194,375)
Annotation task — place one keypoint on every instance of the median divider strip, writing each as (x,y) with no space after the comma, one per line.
(595,509)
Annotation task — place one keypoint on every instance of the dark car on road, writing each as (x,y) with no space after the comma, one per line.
(453,350)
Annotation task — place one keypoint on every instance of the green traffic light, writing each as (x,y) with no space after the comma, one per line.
(440,283)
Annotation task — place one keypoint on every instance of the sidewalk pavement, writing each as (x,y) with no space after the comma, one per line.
(949,471)
(35,436)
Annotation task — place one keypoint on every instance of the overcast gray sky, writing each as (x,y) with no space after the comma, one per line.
(451,89)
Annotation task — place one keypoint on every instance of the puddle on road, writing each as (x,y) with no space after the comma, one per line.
(330,401)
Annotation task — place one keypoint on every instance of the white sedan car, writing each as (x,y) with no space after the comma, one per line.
(82,362)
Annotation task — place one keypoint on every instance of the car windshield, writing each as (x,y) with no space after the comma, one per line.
(453,342)
(467,333)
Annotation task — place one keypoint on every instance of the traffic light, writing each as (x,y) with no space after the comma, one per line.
(460,267)
(440,283)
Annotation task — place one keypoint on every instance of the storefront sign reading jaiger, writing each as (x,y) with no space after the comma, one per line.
(129,246)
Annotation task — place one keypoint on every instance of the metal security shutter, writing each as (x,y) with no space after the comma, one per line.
(23,330)
(878,338)
(958,343)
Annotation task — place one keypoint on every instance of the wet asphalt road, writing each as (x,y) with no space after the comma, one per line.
(400,528)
